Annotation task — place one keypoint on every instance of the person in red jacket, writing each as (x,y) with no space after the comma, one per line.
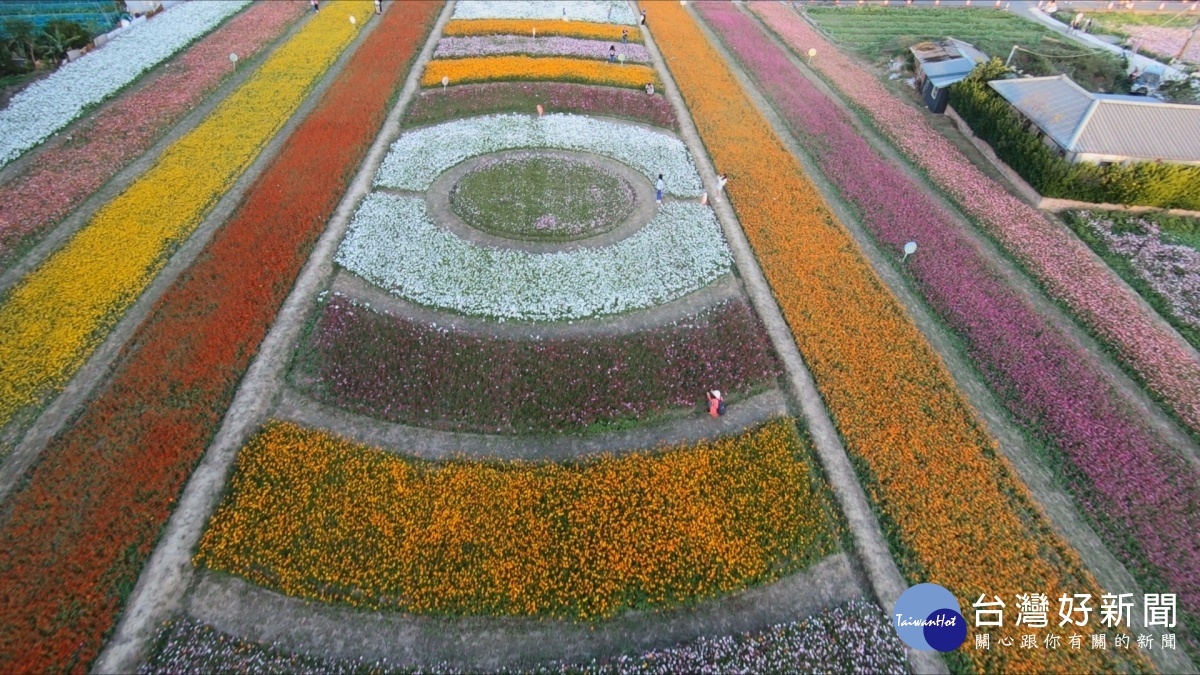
(716,403)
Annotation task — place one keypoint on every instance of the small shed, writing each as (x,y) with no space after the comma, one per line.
(939,65)
(1104,128)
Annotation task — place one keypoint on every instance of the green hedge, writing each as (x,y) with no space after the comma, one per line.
(1142,183)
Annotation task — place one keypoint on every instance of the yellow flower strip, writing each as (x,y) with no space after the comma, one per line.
(315,516)
(545,28)
(558,69)
(954,512)
(54,318)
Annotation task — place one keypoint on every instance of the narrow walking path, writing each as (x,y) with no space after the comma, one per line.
(688,426)
(884,576)
(490,643)
(1042,483)
(725,289)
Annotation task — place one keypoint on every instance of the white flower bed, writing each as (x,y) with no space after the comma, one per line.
(54,102)
(596,11)
(393,244)
(420,156)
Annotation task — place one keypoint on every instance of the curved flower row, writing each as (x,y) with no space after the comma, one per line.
(421,155)
(438,105)
(540,27)
(406,371)
(78,529)
(492,45)
(596,11)
(501,68)
(952,509)
(393,243)
(52,103)
(1056,257)
(1134,483)
(63,176)
(583,540)
(852,638)
(53,319)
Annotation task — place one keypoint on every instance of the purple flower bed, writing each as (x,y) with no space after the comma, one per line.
(400,370)
(492,45)
(438,105)
(1143,498)
(851,638)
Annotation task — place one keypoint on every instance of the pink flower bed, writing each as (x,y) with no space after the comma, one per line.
(1164,41)
(1056,257)
(60,178)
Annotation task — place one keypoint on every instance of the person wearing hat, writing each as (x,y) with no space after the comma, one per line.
(716,403)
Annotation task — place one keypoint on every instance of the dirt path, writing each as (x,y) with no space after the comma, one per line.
(489,643)
(1045,487)
(28,436)
(692,427)
(884,576)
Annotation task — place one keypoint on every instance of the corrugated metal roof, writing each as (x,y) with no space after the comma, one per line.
(1118,126)
(1056,104)
(946,80)
(1142,130)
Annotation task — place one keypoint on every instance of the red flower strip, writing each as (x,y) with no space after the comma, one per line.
(65,175)
(74,538)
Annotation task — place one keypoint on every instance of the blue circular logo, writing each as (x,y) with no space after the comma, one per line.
(927,617)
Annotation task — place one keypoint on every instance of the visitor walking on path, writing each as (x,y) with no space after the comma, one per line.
(379,6)
(643,17)
(716,403)
(612,53)
(315,6)
(721,181)
(659,185)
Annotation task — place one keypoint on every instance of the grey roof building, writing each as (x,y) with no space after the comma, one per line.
(1105,128)
(939,65)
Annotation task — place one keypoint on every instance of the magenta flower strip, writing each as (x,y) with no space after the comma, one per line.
(494,45)
(396,369)
(1137,485)
(64,176)
(438,105)
(1048,250)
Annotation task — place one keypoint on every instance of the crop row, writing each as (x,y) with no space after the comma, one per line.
(45,191)
(56,316)
(953,512)
(1124,477)
(438,105)
(543,27)
(527,68)
(406,371)
(1049,251)
(74,536)
(582,540)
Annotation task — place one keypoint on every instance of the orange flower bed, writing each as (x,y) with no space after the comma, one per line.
(503,68)
(953,510)
(546,28)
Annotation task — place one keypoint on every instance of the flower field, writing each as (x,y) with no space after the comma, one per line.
(394,244)
(46,191)
(1051,387)
(52,103)
(577,540)
(1162,264)
(951,507)
(597,11)
(1052,254)
(420,156)
(56,316)
(1164,41)
(492,45)
(74,536)
(544,27)
(560,69)
(437,105)
(406,371)
(854,637)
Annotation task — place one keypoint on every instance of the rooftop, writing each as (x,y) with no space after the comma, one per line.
(946,61)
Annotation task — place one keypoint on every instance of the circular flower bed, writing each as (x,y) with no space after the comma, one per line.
(420,156)
(392,243)
(542,198)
